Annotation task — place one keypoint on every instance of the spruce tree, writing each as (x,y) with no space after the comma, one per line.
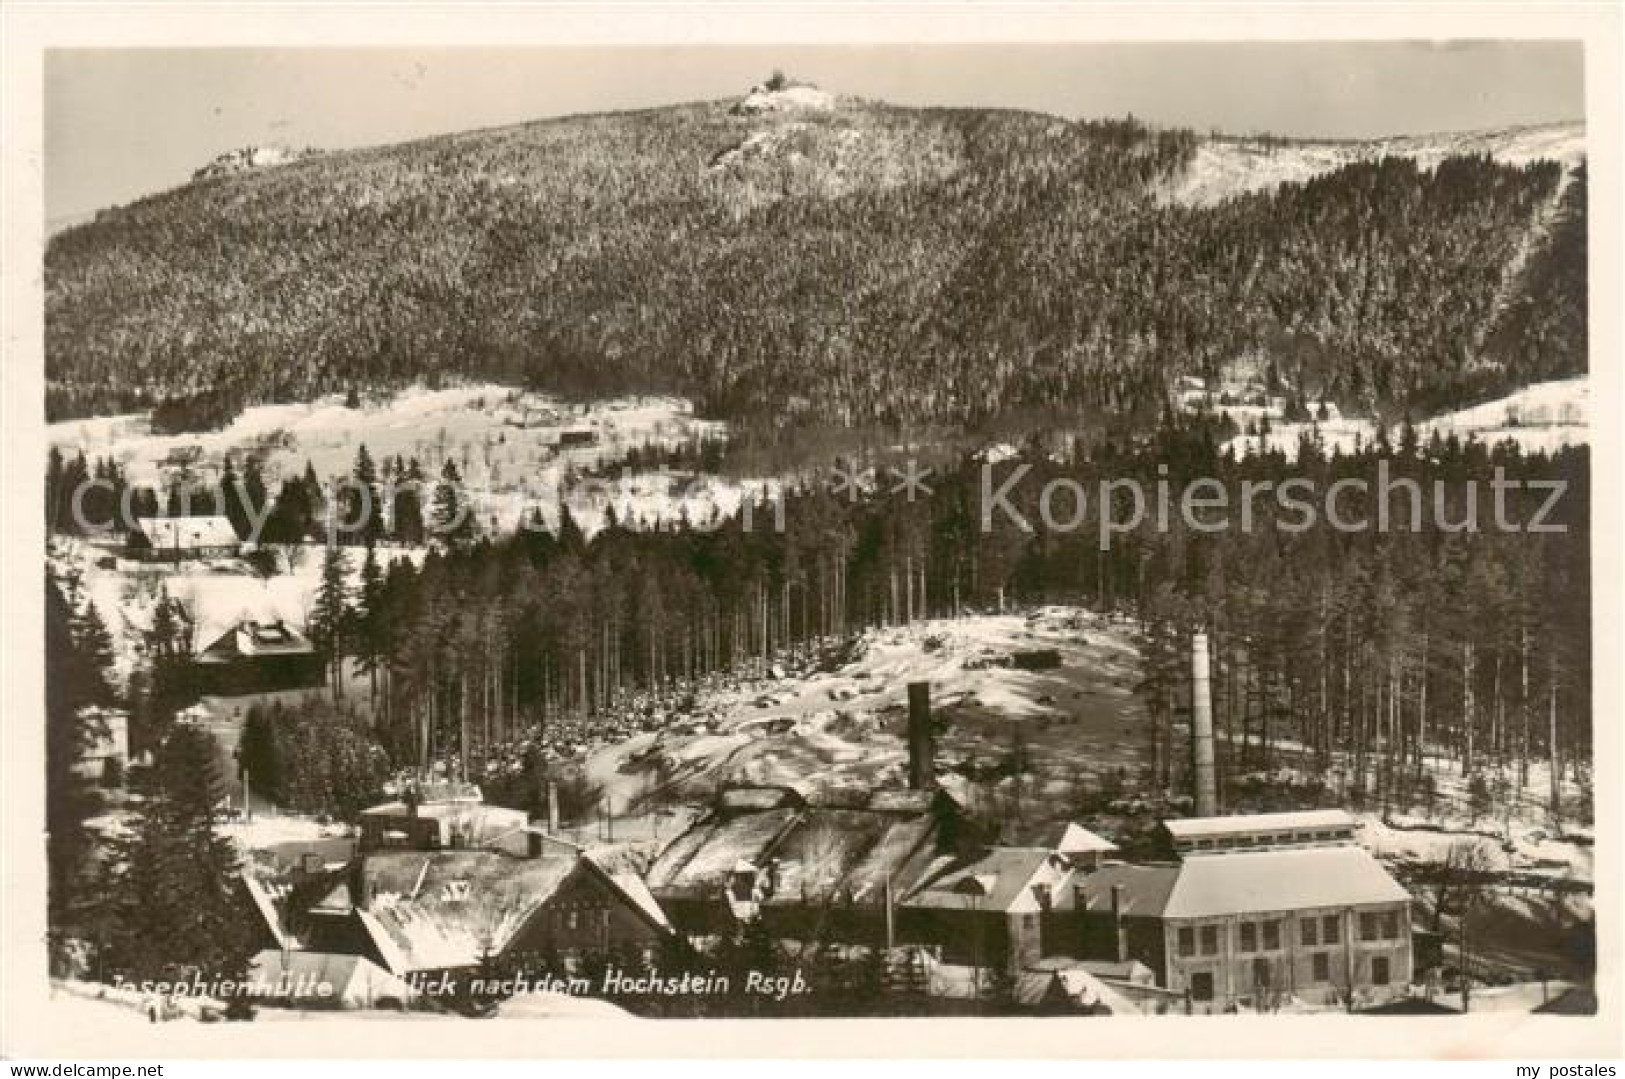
(369,621)
(172,684)
(330,615)
(451,516)
(175,899)
(408,503)
(259,752)
(74,680)
(363,508)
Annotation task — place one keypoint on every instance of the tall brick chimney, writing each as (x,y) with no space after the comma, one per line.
(1207,788)
(922,747)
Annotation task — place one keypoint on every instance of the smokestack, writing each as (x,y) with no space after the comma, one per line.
(1119,944)
(552,808)
(922,750)
(1207,791)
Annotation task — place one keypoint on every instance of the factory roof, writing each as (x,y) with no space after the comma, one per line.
(1267,881)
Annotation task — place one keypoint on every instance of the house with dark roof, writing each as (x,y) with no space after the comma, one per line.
(1116,913)
(258,657)
(986,909)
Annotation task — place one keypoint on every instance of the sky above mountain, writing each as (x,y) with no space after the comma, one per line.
(120,124)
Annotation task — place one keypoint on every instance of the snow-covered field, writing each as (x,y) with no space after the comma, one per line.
(217,593)
(515,450)
(1227,167)
(1540,418)
(842,728)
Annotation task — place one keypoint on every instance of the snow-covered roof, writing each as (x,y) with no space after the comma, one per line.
(815,852)
(187,533)
(756,798)
(431,911)
(1064,837)
(638,892)
(704,856)
(259,893)
(273,637)
(1268,881)
(999,878)
(1252,824)
(1082,987)
(353,981)
(814,858)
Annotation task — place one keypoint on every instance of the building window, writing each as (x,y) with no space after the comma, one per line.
(1187,941)
(1202,987)
(1309,931)
(570,920)
(1249,937)
(1272,936)
(1321,964)
(1369,927)
(1379,970)
(1331,929)
(1390,925)
(1210,940)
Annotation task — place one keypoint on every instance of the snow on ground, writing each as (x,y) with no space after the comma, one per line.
(1521,997)
(1542,417)
(842,728)
(217,593)
(514,449)
(1227,167)
(789,99)
(1532,850)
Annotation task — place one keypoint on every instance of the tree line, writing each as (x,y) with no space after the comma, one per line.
(883,267)
(1383,651)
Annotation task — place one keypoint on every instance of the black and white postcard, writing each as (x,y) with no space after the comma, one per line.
(575,538)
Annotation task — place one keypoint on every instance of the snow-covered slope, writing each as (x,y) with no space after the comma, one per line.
(1225,167)
(251,158)
(840,729)
(509,446)
(1540,418)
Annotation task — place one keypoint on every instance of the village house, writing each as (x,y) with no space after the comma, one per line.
(258,657)
(448,815)
(1116,914)
(180,539)
(418,913)
(1002,907)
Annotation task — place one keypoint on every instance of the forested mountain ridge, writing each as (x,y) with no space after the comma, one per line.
(856,265)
